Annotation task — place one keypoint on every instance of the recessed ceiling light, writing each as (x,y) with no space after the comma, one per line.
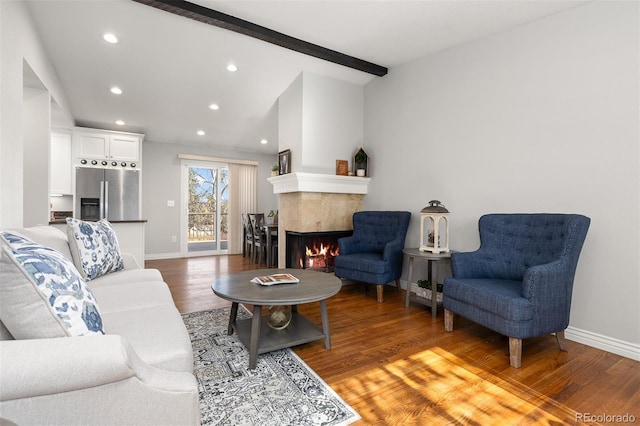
(110,38)
(200,132)
(232,68)
(116,90)
(264,141)
(214,107)
(120,122)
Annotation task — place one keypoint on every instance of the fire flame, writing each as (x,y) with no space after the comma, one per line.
(317,258)
(322,251)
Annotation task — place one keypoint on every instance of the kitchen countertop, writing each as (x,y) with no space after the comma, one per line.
(64,222)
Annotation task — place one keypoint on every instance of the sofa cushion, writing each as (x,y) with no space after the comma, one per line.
(132,295)
(123,278)
(48,236)
(4,333)
(366,262)
(94,247)
(157,334)
(42,293)
(501,297)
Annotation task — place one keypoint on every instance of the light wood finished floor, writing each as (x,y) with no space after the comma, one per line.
(368,338)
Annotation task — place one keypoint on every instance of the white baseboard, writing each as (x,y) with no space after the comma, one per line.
(606,343)
(160,256)
(178,255)
(403,284)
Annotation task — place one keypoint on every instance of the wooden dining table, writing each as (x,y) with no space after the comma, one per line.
(271,232)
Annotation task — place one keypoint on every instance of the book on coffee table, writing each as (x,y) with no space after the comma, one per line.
(275,279)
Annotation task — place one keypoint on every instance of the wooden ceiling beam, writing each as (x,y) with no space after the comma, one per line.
(231,23)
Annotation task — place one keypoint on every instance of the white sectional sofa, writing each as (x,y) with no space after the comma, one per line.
(140,371)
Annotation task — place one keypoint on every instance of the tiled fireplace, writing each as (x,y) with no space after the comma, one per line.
(315,203)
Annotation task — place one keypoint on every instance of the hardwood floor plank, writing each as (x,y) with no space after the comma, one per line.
(382,358)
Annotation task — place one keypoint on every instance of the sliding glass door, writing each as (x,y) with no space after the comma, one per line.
(205,207)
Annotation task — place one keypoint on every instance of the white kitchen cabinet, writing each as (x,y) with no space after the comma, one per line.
(60,166)
(107,145)
(92,145)
(124,147)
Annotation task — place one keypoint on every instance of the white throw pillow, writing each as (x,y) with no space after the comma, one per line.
(43,294)
(94,248)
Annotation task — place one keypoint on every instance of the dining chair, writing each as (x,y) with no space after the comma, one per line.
(247,240)
(272,257)
(258,237)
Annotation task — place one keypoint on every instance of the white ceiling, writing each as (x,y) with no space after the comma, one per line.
(171,68)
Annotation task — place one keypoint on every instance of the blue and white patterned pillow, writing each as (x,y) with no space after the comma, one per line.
(94,247)
(59,290)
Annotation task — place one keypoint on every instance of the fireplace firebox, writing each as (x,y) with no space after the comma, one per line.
(313,250)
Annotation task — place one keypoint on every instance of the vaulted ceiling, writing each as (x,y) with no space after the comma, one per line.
(171,68)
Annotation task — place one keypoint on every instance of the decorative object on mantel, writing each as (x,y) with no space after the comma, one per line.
(284,162)
(424,290)
(342,167)
(274,170)
(431,219)
(360,161)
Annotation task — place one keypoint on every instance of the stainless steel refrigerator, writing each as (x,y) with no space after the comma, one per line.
(113,194)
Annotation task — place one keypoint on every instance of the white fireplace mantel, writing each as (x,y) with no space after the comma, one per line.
(315,182)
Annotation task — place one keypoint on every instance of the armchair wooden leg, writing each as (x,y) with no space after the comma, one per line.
(515,352)
(448,320)
(379,291)
(561,340)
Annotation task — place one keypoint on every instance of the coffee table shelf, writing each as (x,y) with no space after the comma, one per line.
(299,331)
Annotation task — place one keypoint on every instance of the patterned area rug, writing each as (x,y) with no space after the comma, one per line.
(281,390)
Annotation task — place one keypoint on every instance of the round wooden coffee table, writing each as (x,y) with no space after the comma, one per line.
(254,333)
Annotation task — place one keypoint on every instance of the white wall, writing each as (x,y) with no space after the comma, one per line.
(161,182)
(540,118)
(290,122)
(19,41)
(321,121)
(36,149)
(333,122)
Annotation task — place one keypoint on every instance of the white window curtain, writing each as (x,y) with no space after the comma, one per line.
(243,198)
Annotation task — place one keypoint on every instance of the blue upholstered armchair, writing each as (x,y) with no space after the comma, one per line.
(519,282)
(373,254)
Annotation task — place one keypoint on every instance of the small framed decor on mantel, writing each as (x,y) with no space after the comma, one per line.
(284,162)
(342,167)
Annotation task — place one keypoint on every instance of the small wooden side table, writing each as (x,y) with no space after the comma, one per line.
(432,265)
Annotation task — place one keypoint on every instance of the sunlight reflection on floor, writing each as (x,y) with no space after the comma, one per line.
(448,390)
